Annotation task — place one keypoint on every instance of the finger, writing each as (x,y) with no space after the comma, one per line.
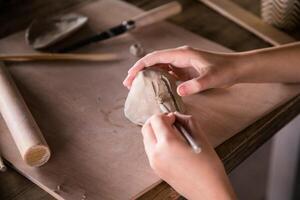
(182,118)
(162,126)
(179,57)
(149,138)
(185,120)
(196,85)
(189,87)
(147,61)
(129,79)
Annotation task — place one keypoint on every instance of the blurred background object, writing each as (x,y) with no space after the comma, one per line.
(283,14)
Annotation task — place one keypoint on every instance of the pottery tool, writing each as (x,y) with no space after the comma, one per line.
(23,128)
(152,16)
(186,135)
(161,99)
(46,31)
(59,56)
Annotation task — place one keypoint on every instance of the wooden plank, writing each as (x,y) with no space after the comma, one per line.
(22,188)
(198,18)
(236,149)
(249,21)
(43,103)
(242,145)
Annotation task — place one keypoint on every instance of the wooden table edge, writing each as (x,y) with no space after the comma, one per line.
(236,149)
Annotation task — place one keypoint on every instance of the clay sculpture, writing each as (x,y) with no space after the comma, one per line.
(150,88)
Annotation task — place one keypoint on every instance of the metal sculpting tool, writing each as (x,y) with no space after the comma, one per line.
(187,136)
(152,16)
(181,129)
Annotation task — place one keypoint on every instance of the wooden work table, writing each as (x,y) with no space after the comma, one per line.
(16,16)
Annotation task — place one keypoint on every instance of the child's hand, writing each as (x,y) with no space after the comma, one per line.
(195,176)
(200,70)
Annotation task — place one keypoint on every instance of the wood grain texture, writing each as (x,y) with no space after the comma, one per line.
(194,18)
(249,21)
(234,151)
(23,188)
(59,57)
(89,110)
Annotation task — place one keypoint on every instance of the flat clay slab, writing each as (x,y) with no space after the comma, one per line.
(97,152)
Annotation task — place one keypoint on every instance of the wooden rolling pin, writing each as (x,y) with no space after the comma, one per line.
(23,128)
(59,56)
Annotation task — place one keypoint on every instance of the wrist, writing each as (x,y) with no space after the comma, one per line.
(246,66)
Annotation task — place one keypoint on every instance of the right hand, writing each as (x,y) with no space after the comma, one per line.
(199,70)
(195,176)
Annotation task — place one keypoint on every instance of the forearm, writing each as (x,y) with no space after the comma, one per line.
(215,186)
(277,64)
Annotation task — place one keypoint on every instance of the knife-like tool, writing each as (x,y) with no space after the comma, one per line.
(186,135)
(152,16)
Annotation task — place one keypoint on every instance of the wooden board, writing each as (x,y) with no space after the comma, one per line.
(249,21)
(97,153)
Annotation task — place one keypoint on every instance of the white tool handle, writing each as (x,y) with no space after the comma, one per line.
(157,14)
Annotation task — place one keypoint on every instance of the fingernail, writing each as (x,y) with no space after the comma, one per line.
(126,79)
(182,90)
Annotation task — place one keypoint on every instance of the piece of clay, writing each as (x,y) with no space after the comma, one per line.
(46,31)
(137,50)
(151,87)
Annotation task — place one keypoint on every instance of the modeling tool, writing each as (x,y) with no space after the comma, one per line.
(187,136)
(59,56)
(152,16)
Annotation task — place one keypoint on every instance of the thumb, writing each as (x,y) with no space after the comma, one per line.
(162,125)
(194,86)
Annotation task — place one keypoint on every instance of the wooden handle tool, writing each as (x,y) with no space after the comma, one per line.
(59,56)
(185,134)
(157,14)
(23,128)
(149,17)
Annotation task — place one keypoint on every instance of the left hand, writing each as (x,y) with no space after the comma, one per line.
(199,70)
(195,176)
